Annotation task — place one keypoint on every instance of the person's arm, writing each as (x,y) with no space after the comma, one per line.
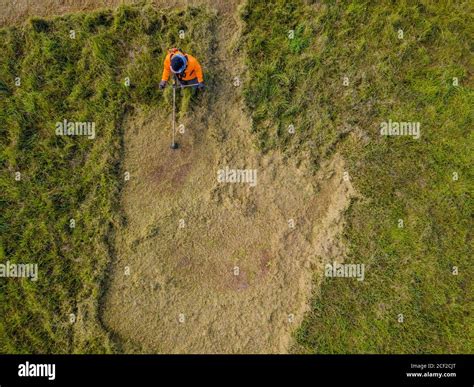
(199,74)
(166,68)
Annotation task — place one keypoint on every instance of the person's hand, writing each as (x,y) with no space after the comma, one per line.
(201,86)
(163,85)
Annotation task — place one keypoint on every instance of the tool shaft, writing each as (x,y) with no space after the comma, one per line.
(174,113)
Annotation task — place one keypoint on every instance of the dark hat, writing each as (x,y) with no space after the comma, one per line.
(178,63)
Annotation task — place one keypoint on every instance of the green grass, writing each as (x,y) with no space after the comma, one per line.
(64,178)
(299,81)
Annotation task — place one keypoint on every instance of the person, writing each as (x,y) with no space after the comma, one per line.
(184,67)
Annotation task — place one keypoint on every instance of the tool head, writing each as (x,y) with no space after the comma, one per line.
(174,145)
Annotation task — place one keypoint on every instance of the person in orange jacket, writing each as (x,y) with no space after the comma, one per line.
(184,67)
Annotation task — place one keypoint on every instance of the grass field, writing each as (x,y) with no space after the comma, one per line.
(426,183)
(319,79)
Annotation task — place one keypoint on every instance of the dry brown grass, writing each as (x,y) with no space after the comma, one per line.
(16,11)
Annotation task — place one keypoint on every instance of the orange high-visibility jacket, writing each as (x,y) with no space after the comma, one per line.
(193,69)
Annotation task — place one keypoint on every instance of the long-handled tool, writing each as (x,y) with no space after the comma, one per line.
(174,145)
(176,84)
